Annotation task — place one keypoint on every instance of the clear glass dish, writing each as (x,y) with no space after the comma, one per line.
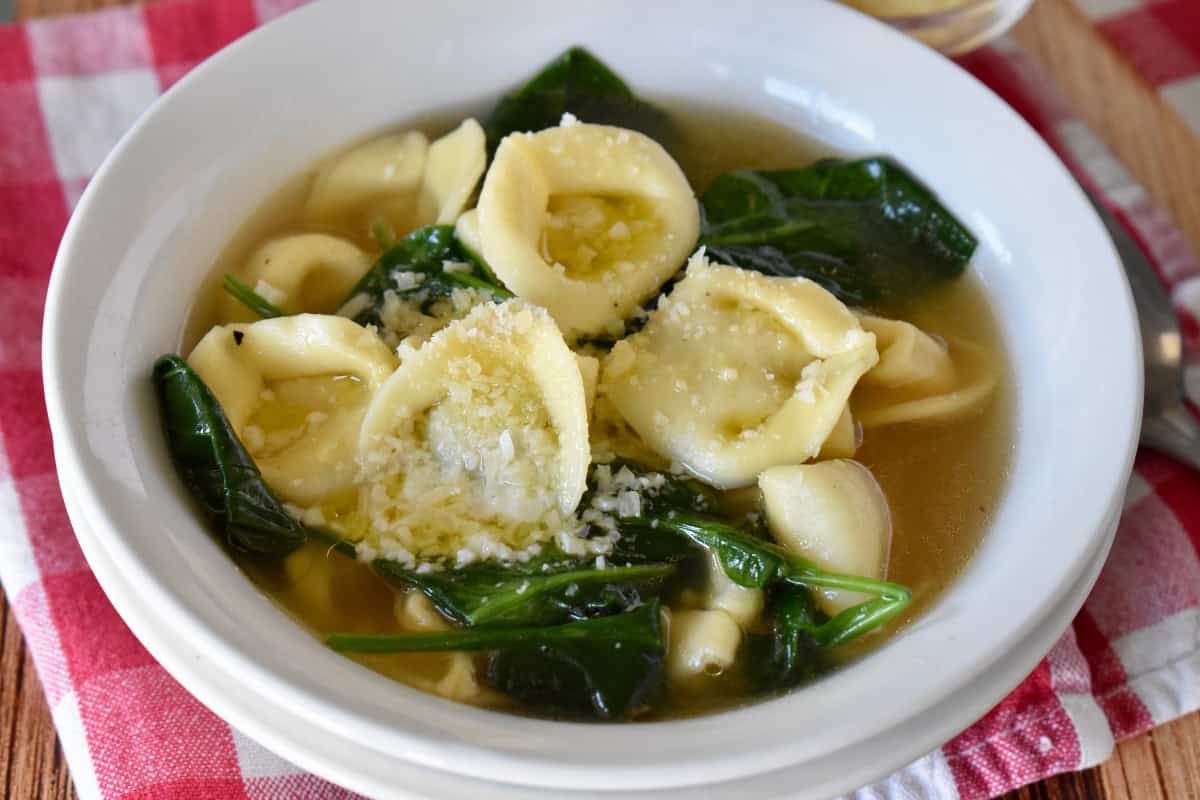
(951,26)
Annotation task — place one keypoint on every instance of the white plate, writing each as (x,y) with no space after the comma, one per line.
(152,221)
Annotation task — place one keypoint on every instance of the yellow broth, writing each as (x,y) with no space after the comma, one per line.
(942,479)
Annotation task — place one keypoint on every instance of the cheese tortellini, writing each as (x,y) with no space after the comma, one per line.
(306,272)
(920,378)
(295,390)
(720,593)
(587,221)
(454,165)
(400,180)
(844,439)
(481,429)
(736,372)
(701,643)
(835,514)
(377,181)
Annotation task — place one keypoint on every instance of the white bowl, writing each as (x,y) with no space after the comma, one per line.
(151,223)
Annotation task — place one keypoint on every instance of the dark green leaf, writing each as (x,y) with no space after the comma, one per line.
(640,542)
(543,591)
(215,466)
(579,83)
(610,666)
(747,560)
(252,299)
(424,253)
(866,230)
(755,563)
(662,491)
(789,654)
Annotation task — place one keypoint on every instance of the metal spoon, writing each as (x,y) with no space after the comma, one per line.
(1167,424)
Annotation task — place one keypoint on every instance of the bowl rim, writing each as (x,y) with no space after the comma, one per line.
(71,441)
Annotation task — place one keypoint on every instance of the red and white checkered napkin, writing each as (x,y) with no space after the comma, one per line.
(69,87)
(1161,38)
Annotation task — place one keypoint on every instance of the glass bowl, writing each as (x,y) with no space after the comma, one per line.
(951,26)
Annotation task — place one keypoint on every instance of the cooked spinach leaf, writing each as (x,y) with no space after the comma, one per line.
(252,299)
(579,83)
(755,563)
(658,493)
(866,230)
(415,270)
(790,654)
(215,466)
(543,591)
(610,666)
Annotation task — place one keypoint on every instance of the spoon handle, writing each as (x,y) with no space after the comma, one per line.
(1175,432)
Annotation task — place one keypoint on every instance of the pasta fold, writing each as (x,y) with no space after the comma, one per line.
(482,430)
(303,273)
(834,514)
(701,643)
(587,221)
(377,181)
(920,378)
(452,170)
(295,390)
(736,372)
(400,180)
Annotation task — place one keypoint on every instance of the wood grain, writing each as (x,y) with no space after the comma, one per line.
(46,8)
(1146,134)
(31,762)
(1160,151)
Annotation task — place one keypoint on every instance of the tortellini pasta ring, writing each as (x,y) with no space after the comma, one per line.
(302,273)
(401,180)
(383,173)
(919,378)
(701,643)
(453,167)
(736,372)
(835,514)
(506,358)
(588,178)
(238,362)
(843,441)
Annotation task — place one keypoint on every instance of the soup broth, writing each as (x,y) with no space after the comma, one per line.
(942,479)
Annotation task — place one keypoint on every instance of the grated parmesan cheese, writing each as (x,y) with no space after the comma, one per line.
(272,294)
(473,476)
(406,281)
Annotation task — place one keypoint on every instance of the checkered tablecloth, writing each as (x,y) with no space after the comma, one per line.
(69,87)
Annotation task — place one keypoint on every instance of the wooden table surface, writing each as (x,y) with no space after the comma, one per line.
(1153,143)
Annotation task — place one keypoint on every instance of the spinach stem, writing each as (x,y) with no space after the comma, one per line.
(459,639)
(776,562)
(635,629)
(252,299)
